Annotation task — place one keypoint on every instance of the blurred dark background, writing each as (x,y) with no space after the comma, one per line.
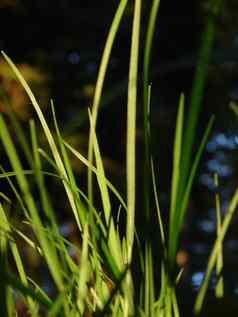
(63,41)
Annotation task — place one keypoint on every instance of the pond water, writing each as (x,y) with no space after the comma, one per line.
(66,39)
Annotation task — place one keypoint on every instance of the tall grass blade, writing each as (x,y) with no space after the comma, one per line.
(176,167)
(146,103)
(131,129)
(197,92)
(113,237)
(219,289)
(48,135)
(84,269)
(100,81)
(148,47)
(80,207)
(48,250)
(215,251)
(46,201)
(175,305)
(161,226)
(181,208)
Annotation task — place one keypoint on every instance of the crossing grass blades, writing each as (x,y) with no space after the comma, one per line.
(101,282)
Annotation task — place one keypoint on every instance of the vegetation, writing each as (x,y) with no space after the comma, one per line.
(96,275)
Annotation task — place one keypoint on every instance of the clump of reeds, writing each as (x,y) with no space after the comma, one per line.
(99,280)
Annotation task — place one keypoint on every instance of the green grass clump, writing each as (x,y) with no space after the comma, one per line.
(99,279)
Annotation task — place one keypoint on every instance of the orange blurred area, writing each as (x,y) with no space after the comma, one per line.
(182,258)
(12,94)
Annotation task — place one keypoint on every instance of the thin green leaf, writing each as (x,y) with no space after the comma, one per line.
(215,251)
(48,135)
(219,289)
(100,81)
(131,130)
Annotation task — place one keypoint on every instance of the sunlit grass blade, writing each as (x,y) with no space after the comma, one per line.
(80,207)
(161,226)
(176,169)
(5,229)
(101,175)
(46,201)
(194,170)
(199,82)
(175,304)
(84,269)
(148,47)
(177,158)
(113,237)
(149,281)
(131,129)
(94,170)
(219,289)
(105,58)
(215,251)
(48,250)
(28,241)
(146,104)
(47,206)
(48,135)
(181,209)
(100,80)
(117,288)
(37,166)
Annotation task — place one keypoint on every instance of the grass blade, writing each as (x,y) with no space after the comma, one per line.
(182,206)
(100,80)
(48,135)
(176,168)
(197,93)
(80,207)
(219,290)
(131,129)
(215,251)
(48,250)
(94,170)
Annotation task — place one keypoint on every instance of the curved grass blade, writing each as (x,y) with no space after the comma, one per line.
(48,135)
(100,81)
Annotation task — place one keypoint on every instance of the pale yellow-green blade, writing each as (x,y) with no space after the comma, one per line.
(48,135)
